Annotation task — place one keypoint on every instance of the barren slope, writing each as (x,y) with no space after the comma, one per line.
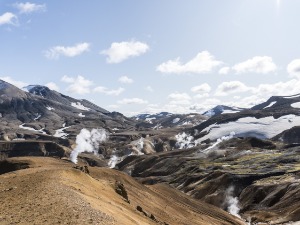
(50,191)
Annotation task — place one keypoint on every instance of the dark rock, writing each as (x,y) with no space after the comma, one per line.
(120,189)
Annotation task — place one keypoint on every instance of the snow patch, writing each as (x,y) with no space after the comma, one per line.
(296,105)
(50,108)
(292,96)
(176,120)
(149,120)
(37,117)
(32,129)
(81,115)
(229,111)
(224,138)
(60,132)
(78,105)
(271,104)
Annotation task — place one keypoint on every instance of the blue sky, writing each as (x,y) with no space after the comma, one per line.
(151,56)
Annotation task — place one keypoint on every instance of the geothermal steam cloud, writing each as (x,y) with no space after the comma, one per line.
(88,141)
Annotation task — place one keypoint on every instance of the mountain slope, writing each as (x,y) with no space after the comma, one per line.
(265,120)
(42,113)
(52,191)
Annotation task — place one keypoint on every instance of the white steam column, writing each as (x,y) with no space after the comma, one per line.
(88,141)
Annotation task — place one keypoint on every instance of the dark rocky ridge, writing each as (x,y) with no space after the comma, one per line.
(263,175)
(276,107)
(47,111)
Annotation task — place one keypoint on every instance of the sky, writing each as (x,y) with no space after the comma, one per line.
(151,56)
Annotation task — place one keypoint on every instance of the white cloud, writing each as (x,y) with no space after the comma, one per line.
(179,98)
(203,88)
(200,96)
(127,101)
(204,62)
(149,88)
(52,86)
(67,79)
(107,91)
(258,64)
(29,7)
(125,80)
(9,18)
(224,70)
(120,51)
(78,85)
(205,105)
(280,88)
(230,87)
(19,84)
(71,51)
(293,68)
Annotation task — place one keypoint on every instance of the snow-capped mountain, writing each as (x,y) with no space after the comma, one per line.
(266,120)
(221,109)
(167,120)
(39,112)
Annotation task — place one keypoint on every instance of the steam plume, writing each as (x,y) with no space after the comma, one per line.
(232,202)
(88,141)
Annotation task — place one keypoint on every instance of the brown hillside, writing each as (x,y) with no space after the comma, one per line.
(40,190)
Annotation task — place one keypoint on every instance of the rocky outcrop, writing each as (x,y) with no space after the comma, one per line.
(10,149)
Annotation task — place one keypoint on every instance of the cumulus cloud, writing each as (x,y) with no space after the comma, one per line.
(120,51)
(258,64)
(28,7)
(78,85)
(128,101)
(125,80)
(52,86)
(230,87)
(149,88)
(280,88)
(224,70)
(203,88)
(200,96)
(9,18)
(107,91)
(293,68)
(17,83)
(204,62)
(70,51)
(179,98)
(205,105)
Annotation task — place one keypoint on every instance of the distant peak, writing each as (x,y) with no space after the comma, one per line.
(31,87)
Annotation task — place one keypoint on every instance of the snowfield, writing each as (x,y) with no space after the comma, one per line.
(266,127)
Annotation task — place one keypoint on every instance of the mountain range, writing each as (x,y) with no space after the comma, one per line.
(243,161)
